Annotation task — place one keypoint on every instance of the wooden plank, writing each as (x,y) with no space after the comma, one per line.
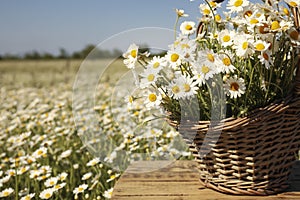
(175,180)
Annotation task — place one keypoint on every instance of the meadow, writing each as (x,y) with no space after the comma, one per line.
(45,155)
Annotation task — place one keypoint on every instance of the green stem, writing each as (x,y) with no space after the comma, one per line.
(175,27)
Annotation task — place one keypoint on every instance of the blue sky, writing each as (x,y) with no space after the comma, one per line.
(47,26)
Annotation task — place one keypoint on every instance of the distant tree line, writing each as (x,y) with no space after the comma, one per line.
(63,54)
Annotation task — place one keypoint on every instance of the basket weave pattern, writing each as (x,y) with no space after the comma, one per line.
(254,154)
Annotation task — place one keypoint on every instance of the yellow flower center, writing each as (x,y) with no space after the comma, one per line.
(175,89)
(174,57)
(188,27)
(27,197)
(156,65)
(57,187)
(212,4)
(51,183)
(260,47)
(265,56)
(226,61)
(275,25)
(130,99)
(293,4)
(205,69)
(80,189)
(286,11)
(187,87)
(47,195)
(185,46)
(226,38)
(6,193)
(152,97)
(218,18)
(253,21)
(211,57)
(206,11)
(245,45)
(133,53)
(234,86)
(238,3)
(151,77)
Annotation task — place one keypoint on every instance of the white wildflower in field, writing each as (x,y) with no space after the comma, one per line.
(112,177)
(6,192)
(93,162)
(47,193)
(62,176)
(51,182)
(108,193)
(58,186)
(65,154)
(86,176)
(28,196)
(80,189)
(41,152)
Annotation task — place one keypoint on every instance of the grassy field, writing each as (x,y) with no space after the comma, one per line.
(43,155)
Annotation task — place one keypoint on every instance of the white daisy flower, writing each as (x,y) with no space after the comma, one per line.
(86,176)
(266,59)
(112,177)
(93,162)
(51,182)
(157,63)
(46,194)
(208,57)
(188,27)
(174,59)
(225,64)
(261,45)
(187,85)
(131,56)
(80,189)
(180,13)
(226,37)
(175,90)
(243,45)
(149,76)
(205,9)
(6,192)
(185,47)
(65,154)
(237,5)
(108,193)
(23,170)
(153,99)
(28,196)
(41,152)
(235,87)
(58,186)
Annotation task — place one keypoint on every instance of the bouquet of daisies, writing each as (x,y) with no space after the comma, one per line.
(247,54)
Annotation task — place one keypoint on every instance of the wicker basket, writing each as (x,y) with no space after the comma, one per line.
(254,154)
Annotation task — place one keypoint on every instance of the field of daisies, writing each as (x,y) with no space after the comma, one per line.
(42,154)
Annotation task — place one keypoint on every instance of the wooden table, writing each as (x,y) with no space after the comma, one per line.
(179,181)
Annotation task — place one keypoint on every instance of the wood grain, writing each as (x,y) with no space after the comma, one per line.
(179,180)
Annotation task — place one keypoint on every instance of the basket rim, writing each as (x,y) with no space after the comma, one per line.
(278,106)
